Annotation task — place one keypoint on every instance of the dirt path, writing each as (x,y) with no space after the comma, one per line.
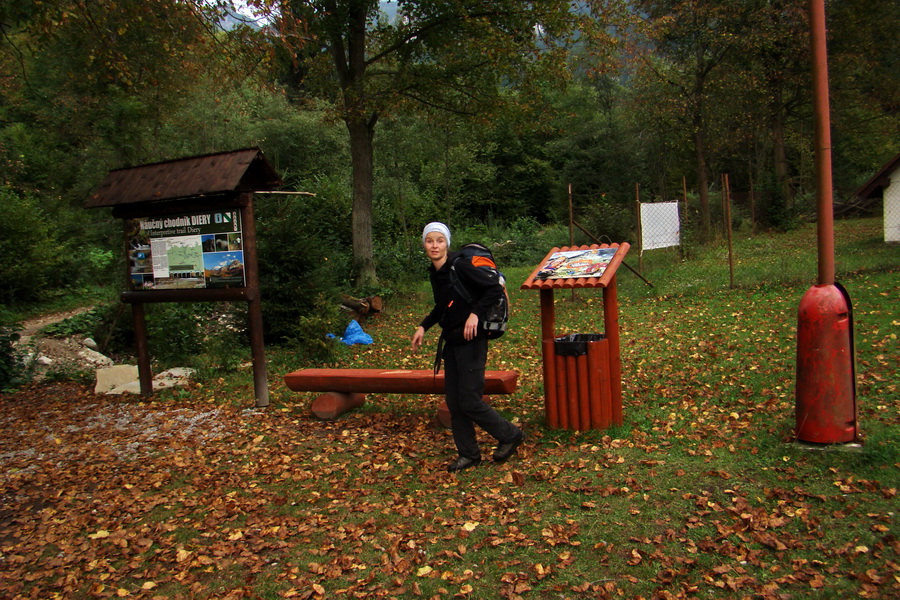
(32,326)
(54,353)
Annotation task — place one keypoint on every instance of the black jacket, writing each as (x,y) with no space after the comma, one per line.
(450,309)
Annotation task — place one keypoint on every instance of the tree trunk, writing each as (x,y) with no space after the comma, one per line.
(780,156)
(350,63)
(702,175)
(361,156)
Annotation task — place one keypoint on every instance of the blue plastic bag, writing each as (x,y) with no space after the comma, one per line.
(354,334)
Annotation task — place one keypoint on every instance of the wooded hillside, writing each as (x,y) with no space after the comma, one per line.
(476,113)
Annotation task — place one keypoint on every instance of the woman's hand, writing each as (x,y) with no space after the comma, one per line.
(417,338)
(471,329)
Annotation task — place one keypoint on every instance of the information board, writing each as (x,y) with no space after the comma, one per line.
(186,251)
(576,263)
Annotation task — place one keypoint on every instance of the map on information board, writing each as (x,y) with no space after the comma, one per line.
(186,251)
(570,264)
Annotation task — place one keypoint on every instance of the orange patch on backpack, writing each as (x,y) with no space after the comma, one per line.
(483,261)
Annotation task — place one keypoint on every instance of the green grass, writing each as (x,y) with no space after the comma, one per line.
(702,493)
(760,260)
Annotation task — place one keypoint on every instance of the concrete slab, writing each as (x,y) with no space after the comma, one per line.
(126,379)
(109,378)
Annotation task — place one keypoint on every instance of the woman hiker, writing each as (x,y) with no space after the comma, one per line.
(464,351)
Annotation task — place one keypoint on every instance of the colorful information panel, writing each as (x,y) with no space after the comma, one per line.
(186,251)
(576,263)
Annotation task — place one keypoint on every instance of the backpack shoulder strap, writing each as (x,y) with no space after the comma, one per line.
(457,283)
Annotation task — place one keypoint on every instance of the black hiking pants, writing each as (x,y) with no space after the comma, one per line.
(464,366)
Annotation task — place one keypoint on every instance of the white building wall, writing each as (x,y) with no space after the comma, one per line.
(892,208)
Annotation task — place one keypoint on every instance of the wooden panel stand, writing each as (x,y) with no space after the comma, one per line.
(220,185)
(582,392)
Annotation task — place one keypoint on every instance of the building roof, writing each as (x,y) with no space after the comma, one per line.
(879,181)
(236,171)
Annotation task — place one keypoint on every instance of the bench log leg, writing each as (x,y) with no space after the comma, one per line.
(331,405)
(443,413)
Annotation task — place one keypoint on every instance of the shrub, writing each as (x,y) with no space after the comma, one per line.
(607,220)
(304,261)
(30,253)
(521,243)
(12,368)
(203,335)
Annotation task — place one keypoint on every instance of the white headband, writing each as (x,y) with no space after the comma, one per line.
(439,228)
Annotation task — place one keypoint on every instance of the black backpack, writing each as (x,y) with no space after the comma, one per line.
(497,316)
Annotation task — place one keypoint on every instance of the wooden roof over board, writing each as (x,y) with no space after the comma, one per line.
(236,171)
(534,283)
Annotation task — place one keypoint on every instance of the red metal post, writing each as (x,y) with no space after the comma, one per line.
(822,108)
(825,408)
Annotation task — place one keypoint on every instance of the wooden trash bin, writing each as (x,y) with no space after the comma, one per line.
(582,371)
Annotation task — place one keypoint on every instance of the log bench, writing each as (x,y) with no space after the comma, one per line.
(345,389)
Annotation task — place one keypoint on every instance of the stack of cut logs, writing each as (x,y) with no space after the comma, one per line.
(361,307)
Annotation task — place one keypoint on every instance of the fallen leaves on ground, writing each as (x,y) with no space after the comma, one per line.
(698,495)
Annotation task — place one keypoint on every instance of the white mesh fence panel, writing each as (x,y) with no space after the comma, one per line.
(660,225)
(892,209)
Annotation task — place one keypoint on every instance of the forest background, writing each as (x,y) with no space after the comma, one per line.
(480,114)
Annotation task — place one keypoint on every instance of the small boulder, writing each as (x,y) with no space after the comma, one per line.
(172,378)
(95,358)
